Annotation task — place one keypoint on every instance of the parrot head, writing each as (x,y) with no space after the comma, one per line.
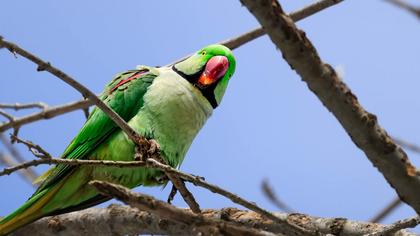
(209,69)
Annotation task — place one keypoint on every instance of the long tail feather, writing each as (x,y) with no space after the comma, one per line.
(28,212)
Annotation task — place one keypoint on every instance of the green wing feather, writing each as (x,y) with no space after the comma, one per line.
(124,94)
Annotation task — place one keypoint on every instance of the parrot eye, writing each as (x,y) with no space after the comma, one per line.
(203,53)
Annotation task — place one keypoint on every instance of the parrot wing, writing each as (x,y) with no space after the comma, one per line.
(124,94)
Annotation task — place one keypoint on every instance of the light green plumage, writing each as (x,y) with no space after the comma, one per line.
(158,103)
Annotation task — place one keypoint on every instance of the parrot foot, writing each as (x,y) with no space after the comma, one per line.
(138,155)
(152,148)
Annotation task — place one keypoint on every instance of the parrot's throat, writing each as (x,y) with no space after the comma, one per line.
(208,91)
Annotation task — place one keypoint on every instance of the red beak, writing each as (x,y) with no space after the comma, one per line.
(215,69)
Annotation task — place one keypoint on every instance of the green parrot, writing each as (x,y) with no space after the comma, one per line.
(168,104)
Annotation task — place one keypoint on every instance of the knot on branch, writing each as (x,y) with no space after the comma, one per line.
(338,225)
(43,66)
(55,224)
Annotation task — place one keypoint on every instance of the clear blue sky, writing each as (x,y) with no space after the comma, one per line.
(269,124)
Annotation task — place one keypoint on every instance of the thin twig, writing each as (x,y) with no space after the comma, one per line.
(46,114)
(386,210)
(410,146)
(185,193)
(16,157)
(362,126)
(46,66)
(231,43)
(42,65)
(172,194)
(406,6)
(167,169)
(233,197)
(73,162)
(205,225)
(295,16)
(12,149)
(35,149)
(272,196)
(7,115)
(177,182)
(140,141)
(244,38)
(399,225)
(11,120)
(27,174)
(19,106)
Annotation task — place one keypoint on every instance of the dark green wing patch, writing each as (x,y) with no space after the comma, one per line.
(124,94)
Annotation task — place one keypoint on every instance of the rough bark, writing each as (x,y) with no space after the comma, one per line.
(124,220)
(362,126)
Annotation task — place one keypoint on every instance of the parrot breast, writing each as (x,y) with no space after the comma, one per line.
(173,113)
(176,111)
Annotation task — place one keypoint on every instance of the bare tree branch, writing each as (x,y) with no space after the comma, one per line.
(295,16)
(203,225)
(187,195)
(233,197)
(7,160)
(272,196)
(406,6)
(321,79)
(19,106)
(410,146)
(401,224)
(29,174)
(177,183)
(167,169)
(42,65)
(244,38)
(141,142)
(9,146)
(72,162)
(7,115)
(46,114)
(124,220)
(387,210)
(35,149)
(231,43)
(135,137)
